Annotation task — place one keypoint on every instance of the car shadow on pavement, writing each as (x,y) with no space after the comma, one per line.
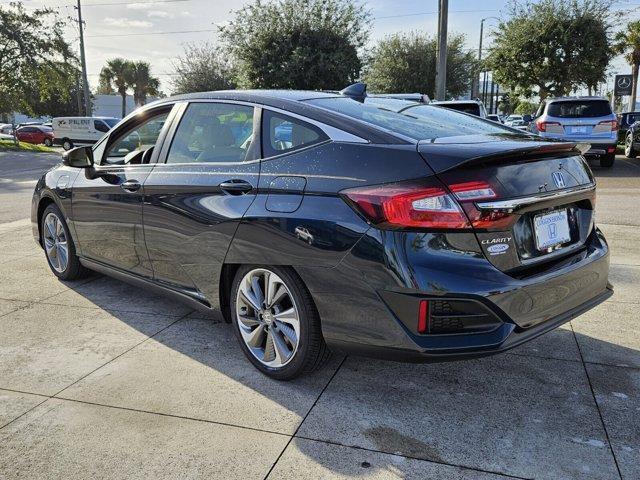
(522,413)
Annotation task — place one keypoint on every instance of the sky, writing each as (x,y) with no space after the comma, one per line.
(157,30)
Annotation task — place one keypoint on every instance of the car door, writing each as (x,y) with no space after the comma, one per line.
(196,198)
(107,200)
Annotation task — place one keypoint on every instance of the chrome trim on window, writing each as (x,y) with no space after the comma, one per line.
(516,203)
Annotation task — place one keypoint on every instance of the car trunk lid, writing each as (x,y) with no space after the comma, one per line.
(530,201)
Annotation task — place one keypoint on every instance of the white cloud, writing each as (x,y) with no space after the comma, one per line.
(159,14)
(126,23)
(140,6)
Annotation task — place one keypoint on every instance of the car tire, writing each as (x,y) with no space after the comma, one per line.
(67,144)
(267,334)
(47,142)
(629,151)
(608,160)
(56,239)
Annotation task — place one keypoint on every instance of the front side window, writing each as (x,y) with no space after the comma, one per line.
(135,144)
(282,134)
(213,133)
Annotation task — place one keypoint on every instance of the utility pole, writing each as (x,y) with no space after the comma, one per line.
(441,74)
(83,60)
(475,90)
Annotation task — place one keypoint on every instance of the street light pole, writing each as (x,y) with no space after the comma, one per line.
(476,83)
(441,73)
(83,61)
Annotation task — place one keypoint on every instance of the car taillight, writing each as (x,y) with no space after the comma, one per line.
(408,205)
(469,192)
(612,123)
(542,126)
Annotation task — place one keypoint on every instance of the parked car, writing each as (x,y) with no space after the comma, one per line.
(581,119)
(519,125)
(6,128)
(473,240)
(71,131)
(632,141)
(35,134)
(473,107)
(625,120)
(494,117)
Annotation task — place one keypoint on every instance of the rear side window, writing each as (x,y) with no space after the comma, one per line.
(283,134)
(213,133)
(579,109)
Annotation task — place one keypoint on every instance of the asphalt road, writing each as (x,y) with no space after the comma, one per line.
(102,380)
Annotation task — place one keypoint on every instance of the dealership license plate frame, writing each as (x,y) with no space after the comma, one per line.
(544,231)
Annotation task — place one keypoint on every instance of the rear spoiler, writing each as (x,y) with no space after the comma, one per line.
(445,155)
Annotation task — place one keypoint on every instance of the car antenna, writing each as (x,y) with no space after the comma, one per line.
(357,91)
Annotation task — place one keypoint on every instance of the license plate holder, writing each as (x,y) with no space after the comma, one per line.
(551,229)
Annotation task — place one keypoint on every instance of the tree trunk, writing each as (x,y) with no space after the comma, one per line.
(124,105)
(634,88)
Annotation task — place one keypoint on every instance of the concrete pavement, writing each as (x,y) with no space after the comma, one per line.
(102,380)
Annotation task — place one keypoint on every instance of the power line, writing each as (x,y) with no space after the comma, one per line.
(149,33)
(132,3)
(432,13)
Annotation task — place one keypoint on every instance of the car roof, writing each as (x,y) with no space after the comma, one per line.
(293,101)
(568,99)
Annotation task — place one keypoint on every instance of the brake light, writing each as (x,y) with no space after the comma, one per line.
(613,124)
(542,126)
(408,205)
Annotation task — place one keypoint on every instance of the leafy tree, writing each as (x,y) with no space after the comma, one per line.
(553,46)
(34,58)
(525,107)
(202,68)
(142,82)
(117,75)
(304,44)
(627,42)
(407,63)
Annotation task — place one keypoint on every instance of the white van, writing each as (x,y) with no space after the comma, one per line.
(71,131)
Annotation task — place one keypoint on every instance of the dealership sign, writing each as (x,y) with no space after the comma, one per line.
(623,85)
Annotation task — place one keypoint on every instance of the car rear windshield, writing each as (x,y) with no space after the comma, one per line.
(414,120)
(579,109)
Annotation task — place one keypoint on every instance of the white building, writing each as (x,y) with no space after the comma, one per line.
(111,105)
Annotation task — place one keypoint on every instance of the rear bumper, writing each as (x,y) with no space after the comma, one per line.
(361,319)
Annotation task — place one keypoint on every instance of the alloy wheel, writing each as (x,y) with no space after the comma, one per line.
(627,145)
(268,318)
(55,243)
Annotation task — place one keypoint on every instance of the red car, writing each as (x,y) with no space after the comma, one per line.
(35,134)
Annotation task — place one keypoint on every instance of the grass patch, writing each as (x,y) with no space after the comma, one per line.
(10,146)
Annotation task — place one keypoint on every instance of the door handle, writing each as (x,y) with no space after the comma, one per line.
(236,187)
(130,185)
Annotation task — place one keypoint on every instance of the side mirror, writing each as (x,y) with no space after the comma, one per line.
(79,157)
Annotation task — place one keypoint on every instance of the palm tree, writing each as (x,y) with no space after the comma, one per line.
(117,74)
(628,43)
(142,82)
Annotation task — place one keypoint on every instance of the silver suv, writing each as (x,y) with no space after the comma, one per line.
(580,119)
